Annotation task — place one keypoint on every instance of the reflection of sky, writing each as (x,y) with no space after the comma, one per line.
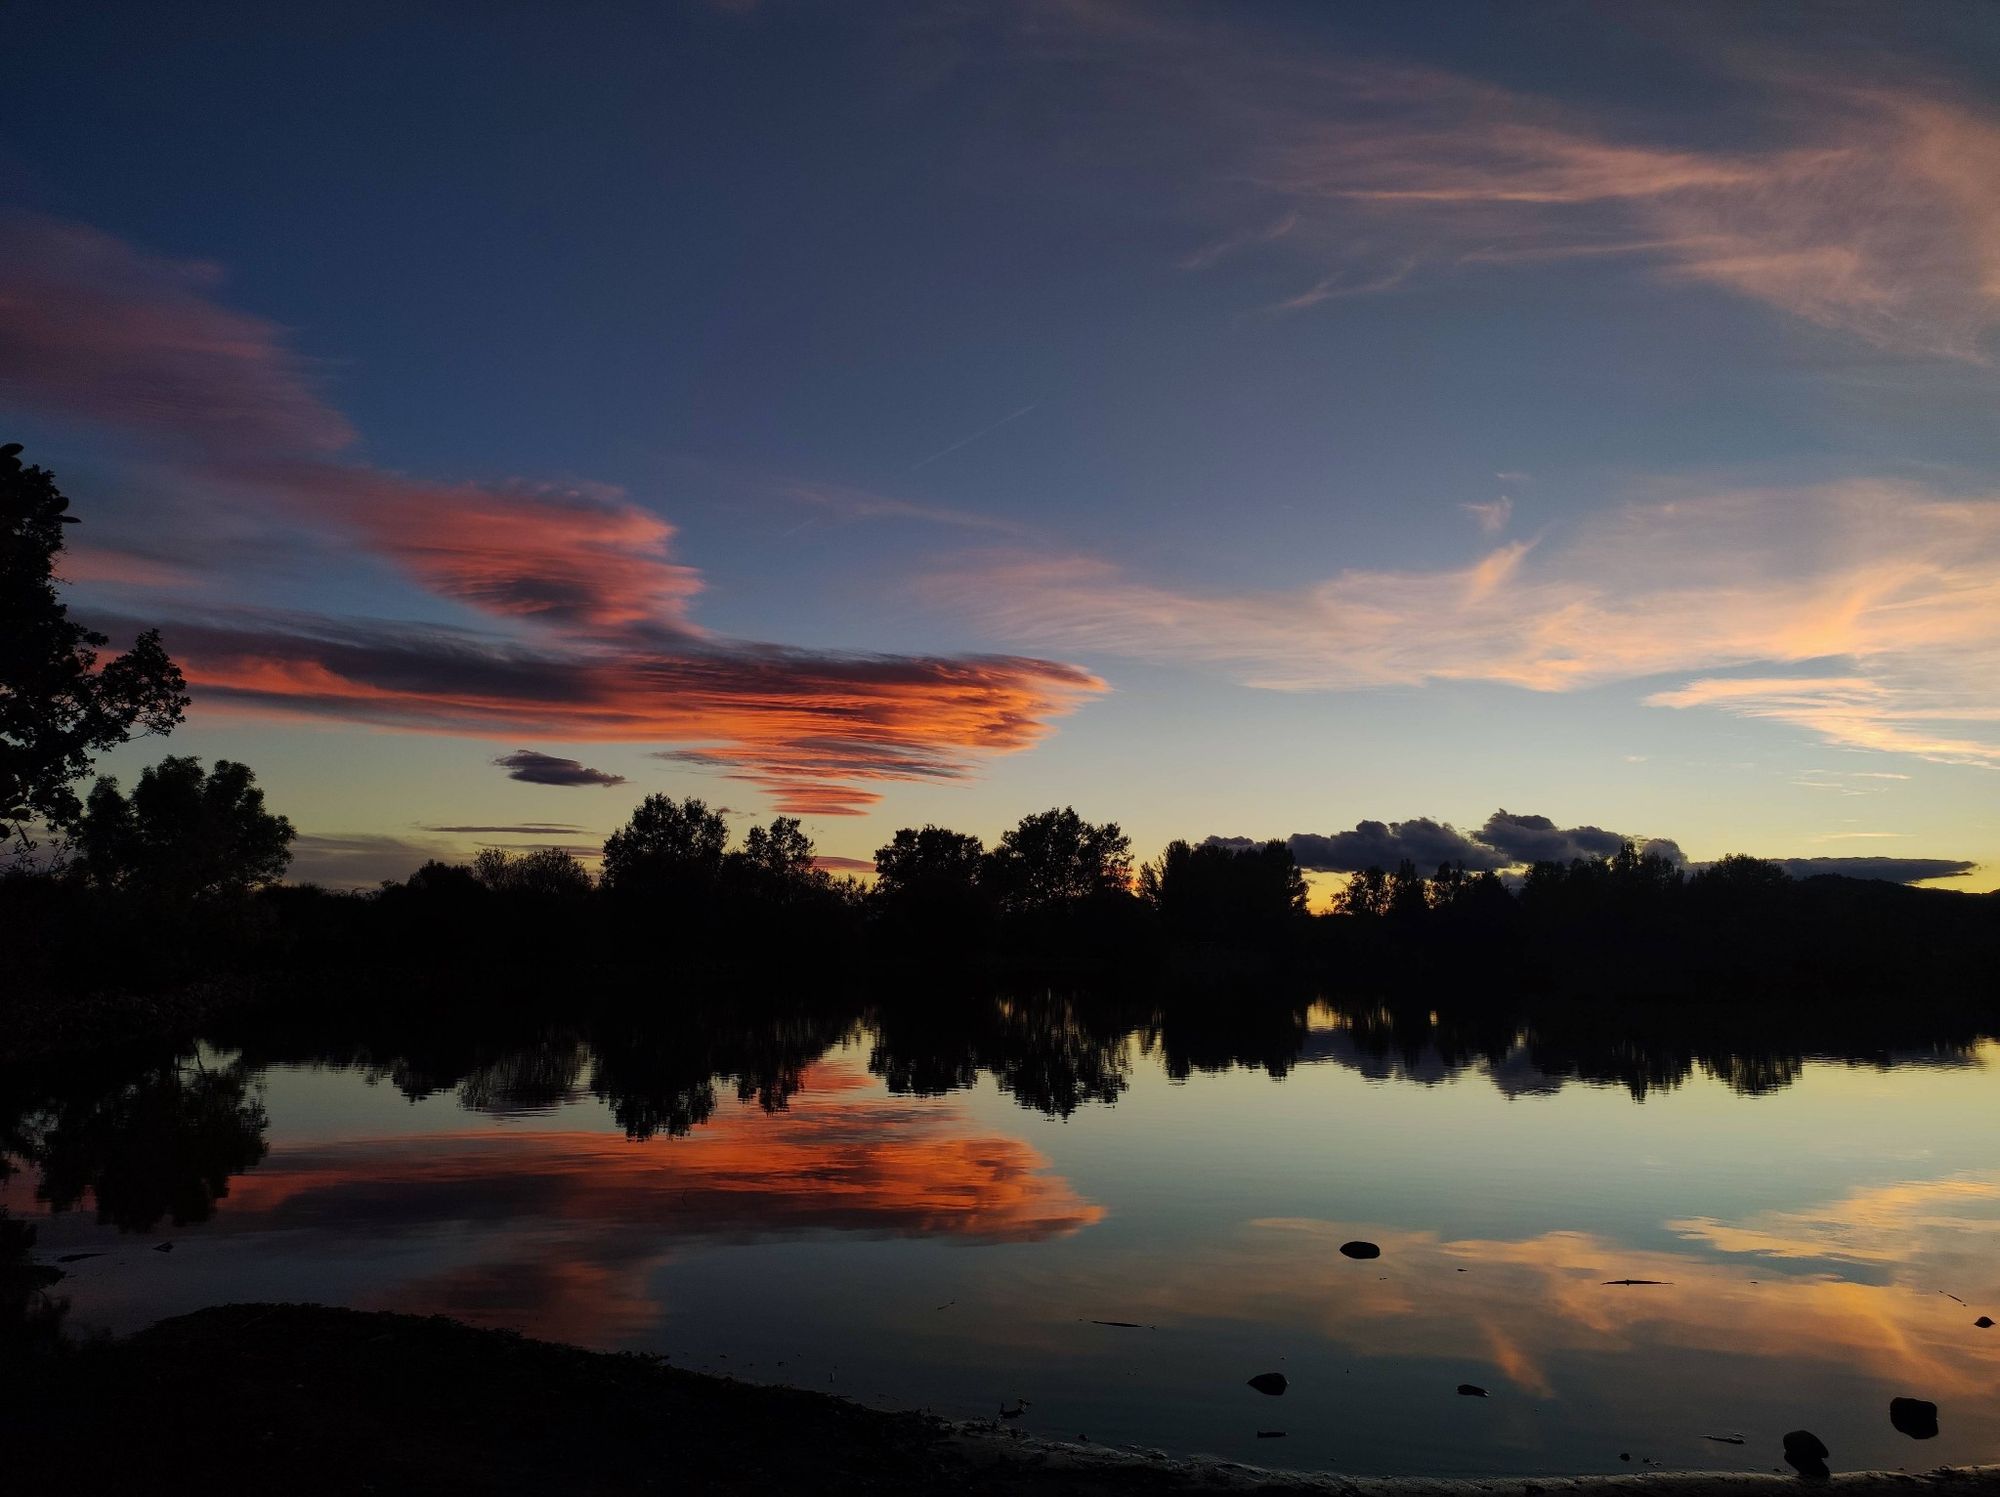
(954,1253)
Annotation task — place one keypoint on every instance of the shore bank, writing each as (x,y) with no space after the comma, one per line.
(307,1399)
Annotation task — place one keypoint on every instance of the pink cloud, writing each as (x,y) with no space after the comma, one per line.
(1865,207)
(565,555)
(93,329)
(596,641)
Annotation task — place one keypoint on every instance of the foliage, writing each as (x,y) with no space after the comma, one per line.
(776,866)
(667,846)
(59,707)
(780,851)
(545,873)
(1218,892)
(1056,858)
(928,865)
(182,835)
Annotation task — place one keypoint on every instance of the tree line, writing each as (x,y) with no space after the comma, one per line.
(179,878)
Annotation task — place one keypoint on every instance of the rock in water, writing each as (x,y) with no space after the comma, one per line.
(1271,1383)
(1915,1417)
(1471,1390)
(1806,1453)
(1360,1250)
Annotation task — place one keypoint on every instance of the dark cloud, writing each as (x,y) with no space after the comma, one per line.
(1509,840)
(1891,870)
(547,769)
(1384,844)
(1536,839)
(1506,840)
(526,829)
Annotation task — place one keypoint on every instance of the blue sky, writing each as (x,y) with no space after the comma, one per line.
(1241,420)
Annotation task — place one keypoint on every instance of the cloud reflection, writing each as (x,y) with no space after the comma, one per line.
(559,1232)
(1541,1310)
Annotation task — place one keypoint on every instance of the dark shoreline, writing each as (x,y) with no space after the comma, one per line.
(309,1399)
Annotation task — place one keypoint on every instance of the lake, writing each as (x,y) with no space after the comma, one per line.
(1106,1217)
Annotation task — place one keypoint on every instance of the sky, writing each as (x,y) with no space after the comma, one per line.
(1267,420)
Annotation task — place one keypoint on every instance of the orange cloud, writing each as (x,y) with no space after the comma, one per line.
(813,730)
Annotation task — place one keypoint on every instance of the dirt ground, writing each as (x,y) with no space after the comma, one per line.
(300,1399)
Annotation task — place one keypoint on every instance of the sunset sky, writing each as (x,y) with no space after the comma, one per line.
(1249,420)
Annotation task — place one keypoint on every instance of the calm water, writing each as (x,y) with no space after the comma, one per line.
(928,1212)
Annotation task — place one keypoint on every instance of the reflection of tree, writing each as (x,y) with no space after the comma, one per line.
(1051,1053)
(1641,1047)
(159,1136)
(530,1079)
(1259,1031)
(1753,1075)
(659,1072)
(158,1144)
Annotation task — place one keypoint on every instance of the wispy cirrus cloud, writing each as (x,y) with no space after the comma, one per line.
(525,829)
(1873,216)
(1858,204)
(1899,586)
(843,502)
(92,328)
(1493,515)
(579,614)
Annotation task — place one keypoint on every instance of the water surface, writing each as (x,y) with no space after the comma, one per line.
(955,1206)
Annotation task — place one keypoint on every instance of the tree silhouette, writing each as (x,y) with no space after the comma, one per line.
(1056,858)
(545,873)
(667,846)
(182,835)
(1221,893)
(929,894)
(781,852)
(58,707)
(934,864)
(1367,895)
